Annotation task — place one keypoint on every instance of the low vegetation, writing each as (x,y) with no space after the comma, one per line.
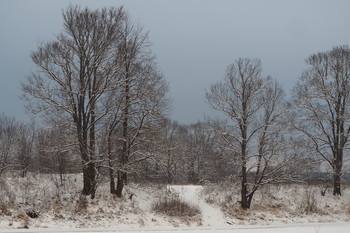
(173,206)
(288,203)
(154,205)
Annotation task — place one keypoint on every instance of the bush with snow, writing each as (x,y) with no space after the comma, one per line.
(172,205)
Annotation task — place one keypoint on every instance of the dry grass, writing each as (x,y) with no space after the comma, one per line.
(5,209)
(309,203)
(234,211)
(173,206)
(81,205)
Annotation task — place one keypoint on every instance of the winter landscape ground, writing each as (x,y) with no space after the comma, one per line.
(61,208)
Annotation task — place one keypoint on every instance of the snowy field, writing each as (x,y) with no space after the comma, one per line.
(283,208)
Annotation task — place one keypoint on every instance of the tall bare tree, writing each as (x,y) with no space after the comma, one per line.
(137,101)
(253,129)
(75,74)
(322,102)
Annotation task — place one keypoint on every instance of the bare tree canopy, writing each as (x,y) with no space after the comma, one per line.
(139,100)
(98,74)
(254,107)
(76,75)
(321,98)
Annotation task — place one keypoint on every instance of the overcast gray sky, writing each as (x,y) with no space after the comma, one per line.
(194,40)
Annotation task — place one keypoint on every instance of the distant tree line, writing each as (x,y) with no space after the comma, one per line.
(104,105)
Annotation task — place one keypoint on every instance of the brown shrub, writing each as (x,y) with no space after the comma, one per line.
(174,206)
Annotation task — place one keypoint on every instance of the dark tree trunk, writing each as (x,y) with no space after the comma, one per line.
(244,188)
(337,176)
(61,178)
(24,173)
(250,197)
(336,183)
(244,180)
(244,199)
(89,172)
(110,161)
(89,176)
(112,182)
(337,170)
(122,175)
(120,183)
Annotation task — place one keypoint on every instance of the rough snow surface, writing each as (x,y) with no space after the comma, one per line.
(211,216)
(302,228)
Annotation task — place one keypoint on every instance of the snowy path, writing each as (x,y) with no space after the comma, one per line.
(191,193)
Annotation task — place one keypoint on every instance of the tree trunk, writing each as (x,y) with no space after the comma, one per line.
(336,183)
(110,162)
(89,176)
(122,175)
(250,197)
(244,188)
(120,184)
(61,178)
(111,182)
(244,191)
(89,172)
(337,168)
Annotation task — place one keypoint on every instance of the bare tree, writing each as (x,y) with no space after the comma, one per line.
(75,74)
(171,161)
(26,140)
(57,149)
(182,153)
(8,136)
(322,102)
(139,100)
(253,129)
(205,161)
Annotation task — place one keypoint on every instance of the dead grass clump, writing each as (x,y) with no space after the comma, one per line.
(57,206)
(174,206)
(82,204)
(5,209)
(309,203)
(234,211)
(267,207)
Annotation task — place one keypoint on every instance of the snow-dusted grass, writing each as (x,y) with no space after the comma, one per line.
(173,205)
(283,203)
(60,205)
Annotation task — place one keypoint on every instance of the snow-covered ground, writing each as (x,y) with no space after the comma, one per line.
(61,208)
(211,216)
(302,228)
